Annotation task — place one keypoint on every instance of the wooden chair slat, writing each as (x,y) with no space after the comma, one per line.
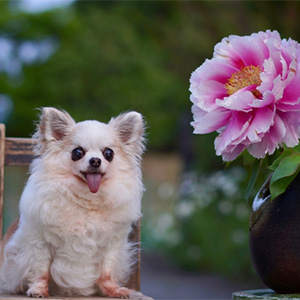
(2,159)
(134,281)
(18,151)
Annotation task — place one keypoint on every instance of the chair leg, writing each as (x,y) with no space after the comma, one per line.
(2,163)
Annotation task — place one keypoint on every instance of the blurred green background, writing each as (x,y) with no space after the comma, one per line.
(96,59)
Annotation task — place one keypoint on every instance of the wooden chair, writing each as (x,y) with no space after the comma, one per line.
(18,152)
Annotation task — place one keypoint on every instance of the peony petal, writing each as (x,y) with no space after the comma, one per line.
(271,140)
(291,93)
(249,135)
(246,50)
(232,152)
(267,76)
(252,50)
(268,98)
(292,72)
(289,52)
(213,69)
(225,51)
(291,121)
(208,83)
(285,63)
(275,55)
(205,122)
(238,124)
(239,101)
(278,88)
(206,93)
(289,107)
(262,121)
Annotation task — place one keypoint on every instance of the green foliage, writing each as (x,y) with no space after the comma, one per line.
(209,228)
(285,168)
(253,177)
(284,164)
(106,62)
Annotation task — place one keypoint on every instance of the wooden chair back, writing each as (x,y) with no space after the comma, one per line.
(18,152)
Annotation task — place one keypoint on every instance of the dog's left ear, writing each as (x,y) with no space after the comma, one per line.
(130,128)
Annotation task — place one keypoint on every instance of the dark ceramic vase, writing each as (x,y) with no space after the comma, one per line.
(275,238)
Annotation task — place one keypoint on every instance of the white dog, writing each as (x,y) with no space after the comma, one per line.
(76,211)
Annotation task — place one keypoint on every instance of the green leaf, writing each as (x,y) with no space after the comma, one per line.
(254,173)
(284,174)
(284,154)
(286,167)
(297,148)
(280,185)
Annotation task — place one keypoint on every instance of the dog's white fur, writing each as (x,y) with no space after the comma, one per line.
(70,241)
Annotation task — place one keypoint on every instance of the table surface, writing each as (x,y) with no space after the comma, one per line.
(262,294)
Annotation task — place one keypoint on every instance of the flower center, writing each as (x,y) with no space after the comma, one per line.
(247,76)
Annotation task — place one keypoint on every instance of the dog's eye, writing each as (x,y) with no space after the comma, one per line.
(77,153)
(108,154)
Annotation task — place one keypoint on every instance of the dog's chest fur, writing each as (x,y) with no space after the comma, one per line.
(88,229)
(63,220)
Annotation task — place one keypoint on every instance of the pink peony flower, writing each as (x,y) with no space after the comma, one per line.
(249,92)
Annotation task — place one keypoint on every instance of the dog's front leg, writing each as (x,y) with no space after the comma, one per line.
(108,281)
(38,279)
(39,287)
(116,263)
(26,263)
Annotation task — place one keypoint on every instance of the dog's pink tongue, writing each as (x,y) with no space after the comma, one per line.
(93,181)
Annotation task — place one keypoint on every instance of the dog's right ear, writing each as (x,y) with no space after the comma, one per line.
(54,125)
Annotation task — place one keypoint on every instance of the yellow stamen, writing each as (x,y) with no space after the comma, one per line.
(247,76)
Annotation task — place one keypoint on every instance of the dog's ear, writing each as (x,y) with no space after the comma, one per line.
(54,124)
(130,128)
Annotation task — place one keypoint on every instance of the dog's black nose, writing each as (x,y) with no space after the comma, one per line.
(95,162)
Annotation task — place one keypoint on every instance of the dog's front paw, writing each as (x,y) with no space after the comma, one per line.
(114,291)
(39,290)
(35,294)
(120,292)
(111,289)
